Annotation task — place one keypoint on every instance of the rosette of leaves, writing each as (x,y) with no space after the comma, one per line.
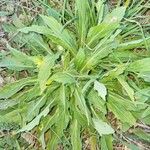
(87,68)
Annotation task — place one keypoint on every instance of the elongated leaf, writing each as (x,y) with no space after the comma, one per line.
(80,58)
(121,113)
(36,120)
(100,31)
(14,64)
(116,15)
(4,104)
(38,29)
(12,88)
(96,56)
(45,70)
(58,130)
(133,44)
(80,100)
(102,127)
(48,121)
(61,77)
(100,7)
(75,136)
(106,142)
(85,18)
(141,65)
(95,100)
(126,87)
(145,76)
(65,39)
(34,108)
(101,89)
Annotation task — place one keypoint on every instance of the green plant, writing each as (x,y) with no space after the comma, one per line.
(83,71)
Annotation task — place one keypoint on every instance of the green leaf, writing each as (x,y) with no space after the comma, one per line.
(100,7)
(116,15)
(38,29)
(12,88)
(85,18)
(97,56)
(133,44)
(102,127)
(141,65)
(106,142)
(80,100)
(13,64)
(80,58)
(120,112)
(142,135)
(101,89)
(36,120)
(62,77)
(145,76)
(4,104)
(96,101)
(34,107)
(100,31)
(126,87)
(75,136)
(45,70)
(65,39)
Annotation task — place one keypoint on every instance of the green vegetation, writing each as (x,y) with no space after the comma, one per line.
(86,66)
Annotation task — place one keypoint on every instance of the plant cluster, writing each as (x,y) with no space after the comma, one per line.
(84,65)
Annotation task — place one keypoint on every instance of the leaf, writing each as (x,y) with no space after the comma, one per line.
(102,127)
(121,113)
(116,15)
(4,104)
(106,142)
(14,64)
(65,39)
(85,19)
(57,132)
(36,120)
(101,89)
(36,28)
(12,88)
(80,100)
(145,76)
(126,86)
(97,56)
(45,70)
(80,58)
(75,136)
(62,77)
(49,120)
(100,7)
(100,31)
(34,108)
(142,135)
(95,100)
(141,65)
(133,44)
